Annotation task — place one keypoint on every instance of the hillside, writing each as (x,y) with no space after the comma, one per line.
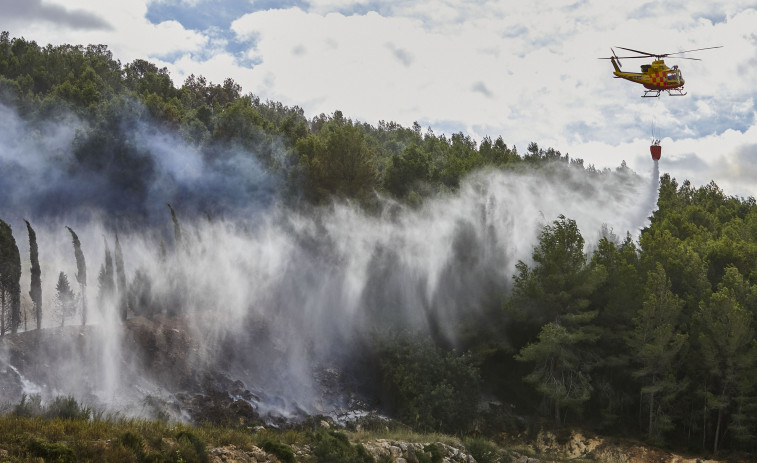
(193,254)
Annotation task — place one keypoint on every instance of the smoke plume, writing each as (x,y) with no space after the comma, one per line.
(268,294)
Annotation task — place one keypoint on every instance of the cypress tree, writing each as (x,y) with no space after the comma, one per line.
(81,274)
(121,281)
(176,226)
(35,291)
(105,279)
(10,278)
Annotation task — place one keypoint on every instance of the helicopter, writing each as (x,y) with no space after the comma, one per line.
(656,77)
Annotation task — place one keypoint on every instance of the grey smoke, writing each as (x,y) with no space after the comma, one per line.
(68,169)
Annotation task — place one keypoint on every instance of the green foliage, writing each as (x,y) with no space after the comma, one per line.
(191,449)
(35,291)
(120,282)
(67,408)
(57,452)
(483,450)
(282,451)
(428,388)
(658,345)
(65,299)
(407,170)
(559,283)
(10,280)
(557,290)
(727,352)
(339,162)
(81,274)
(335,447)
(29,406)
(431,454)
(134,442)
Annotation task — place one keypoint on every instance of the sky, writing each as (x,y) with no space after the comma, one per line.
(525,71)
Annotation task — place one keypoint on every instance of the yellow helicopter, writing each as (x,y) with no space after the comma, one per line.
(656,77)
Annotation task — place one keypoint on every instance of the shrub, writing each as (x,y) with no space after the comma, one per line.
(134,442)
(334,447)
(427,388)
(190,449)
(482,450)
(431,454)
(29,406)
(67,408)
(282,451)
(56,452)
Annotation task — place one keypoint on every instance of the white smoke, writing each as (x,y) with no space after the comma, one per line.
(269,294)
(294,290)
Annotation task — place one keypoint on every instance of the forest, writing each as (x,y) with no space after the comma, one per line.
(651,337)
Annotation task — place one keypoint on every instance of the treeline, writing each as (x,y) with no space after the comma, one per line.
(656,335)
(318,159)
(653,338)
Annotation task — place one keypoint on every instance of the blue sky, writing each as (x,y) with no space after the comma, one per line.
(527,71)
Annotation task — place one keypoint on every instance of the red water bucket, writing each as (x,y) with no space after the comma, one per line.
(656,152)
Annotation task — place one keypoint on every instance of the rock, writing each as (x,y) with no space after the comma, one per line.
(11,387)
(229,454)
(258,454)
(525,459)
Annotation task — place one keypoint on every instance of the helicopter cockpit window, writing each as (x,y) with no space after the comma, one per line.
(672,76)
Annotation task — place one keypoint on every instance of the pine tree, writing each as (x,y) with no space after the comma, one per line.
(555,292)
(65,299)
(657,345)
(727,349)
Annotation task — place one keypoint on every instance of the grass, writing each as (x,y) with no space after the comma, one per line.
(64,431)
(112,439)
(404,435)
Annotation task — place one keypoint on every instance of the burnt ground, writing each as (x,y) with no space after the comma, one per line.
(162,368)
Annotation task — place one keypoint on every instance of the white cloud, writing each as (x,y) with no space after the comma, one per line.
(526,70)
(130,36)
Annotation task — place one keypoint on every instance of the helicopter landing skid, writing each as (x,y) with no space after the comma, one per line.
(656,93)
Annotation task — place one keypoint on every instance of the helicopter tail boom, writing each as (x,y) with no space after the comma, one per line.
(615,64)
(615,61)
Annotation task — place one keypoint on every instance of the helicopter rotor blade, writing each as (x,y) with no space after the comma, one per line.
(637,51)
(698,49)
(665,55)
